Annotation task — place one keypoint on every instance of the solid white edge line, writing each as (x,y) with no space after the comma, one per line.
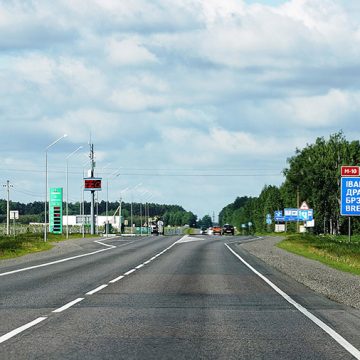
(108,247)
(130,272)
(116,279)
(20,329)
(337,337)
(97,289)
(54,262)
(13,333)
(68,305)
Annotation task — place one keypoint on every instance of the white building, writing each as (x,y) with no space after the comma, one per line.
(78,220)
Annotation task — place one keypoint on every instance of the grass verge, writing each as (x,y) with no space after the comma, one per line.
(23,244)
(334,251)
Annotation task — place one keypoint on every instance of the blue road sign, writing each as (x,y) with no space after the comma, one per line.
(278,215)
(291,214)
(350,196)
(306,215)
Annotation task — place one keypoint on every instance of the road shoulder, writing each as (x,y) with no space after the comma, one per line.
(334,284)
(61,248)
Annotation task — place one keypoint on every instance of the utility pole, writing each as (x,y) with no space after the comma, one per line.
(92,214)
(120,223)
(8,186)
(298,205)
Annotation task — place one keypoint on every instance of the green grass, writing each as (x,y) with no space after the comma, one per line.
(23,244)
(334,251)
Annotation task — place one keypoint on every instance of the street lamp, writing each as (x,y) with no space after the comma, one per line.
(131,207)
(144,192)
(67,189)
(147,214)
(46,182)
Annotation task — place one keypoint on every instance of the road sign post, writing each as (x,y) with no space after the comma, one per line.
(350,197)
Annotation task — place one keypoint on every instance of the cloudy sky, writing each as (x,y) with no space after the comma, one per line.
(189,102)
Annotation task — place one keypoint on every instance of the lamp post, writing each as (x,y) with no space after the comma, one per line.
(141,200)
(131,207)
(147,213)
(46,182)
(67,189)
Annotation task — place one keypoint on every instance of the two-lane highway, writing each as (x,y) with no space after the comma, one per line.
(167,298)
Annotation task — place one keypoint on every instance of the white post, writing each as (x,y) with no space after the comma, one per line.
(107,208)
(8,208)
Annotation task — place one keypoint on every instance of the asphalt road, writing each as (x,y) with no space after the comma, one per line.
(166,298)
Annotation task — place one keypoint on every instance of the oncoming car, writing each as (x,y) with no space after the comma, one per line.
(216,230)
(228,230)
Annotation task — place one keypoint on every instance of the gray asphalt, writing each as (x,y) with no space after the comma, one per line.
(195,301)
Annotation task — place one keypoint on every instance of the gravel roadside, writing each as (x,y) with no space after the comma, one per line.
(334,284)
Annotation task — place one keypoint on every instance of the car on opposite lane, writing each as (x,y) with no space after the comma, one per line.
(228,229)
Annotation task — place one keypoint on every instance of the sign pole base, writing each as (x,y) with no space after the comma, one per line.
(349,228)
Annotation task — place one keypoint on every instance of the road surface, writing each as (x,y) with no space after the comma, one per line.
(193,297)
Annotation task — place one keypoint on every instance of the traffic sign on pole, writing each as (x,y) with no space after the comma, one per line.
(291,214)
(350,196)
(306,215)
(350,171)
(304,206)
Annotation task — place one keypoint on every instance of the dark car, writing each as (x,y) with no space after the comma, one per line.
(228,230)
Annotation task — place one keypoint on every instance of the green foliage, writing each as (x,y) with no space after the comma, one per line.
(26,243)
(314,174)
(205,222)
(173,215)
(20,245)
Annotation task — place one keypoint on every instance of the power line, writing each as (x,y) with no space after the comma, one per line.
(158,173)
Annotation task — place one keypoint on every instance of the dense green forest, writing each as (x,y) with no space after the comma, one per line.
(171,214)
(313,175)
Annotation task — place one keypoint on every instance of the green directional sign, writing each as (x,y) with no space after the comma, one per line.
(55,205)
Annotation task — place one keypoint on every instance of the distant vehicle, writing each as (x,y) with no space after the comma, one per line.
(154,229)
(216,230)
(160,227)
(203,231)
(228,230)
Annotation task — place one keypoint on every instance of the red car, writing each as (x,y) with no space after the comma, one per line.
(216,230)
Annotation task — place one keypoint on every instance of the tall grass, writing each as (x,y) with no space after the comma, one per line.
(335,251)
(22,244)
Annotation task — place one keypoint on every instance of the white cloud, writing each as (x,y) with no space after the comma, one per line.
(129,52)
(323,110)
(190,83)
(35,68)
(136,100)
(79,124)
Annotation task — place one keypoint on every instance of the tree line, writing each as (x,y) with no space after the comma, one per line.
(313,175)
(173,215)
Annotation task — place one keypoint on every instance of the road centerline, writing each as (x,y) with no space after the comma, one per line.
(20,329)
(68,305)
